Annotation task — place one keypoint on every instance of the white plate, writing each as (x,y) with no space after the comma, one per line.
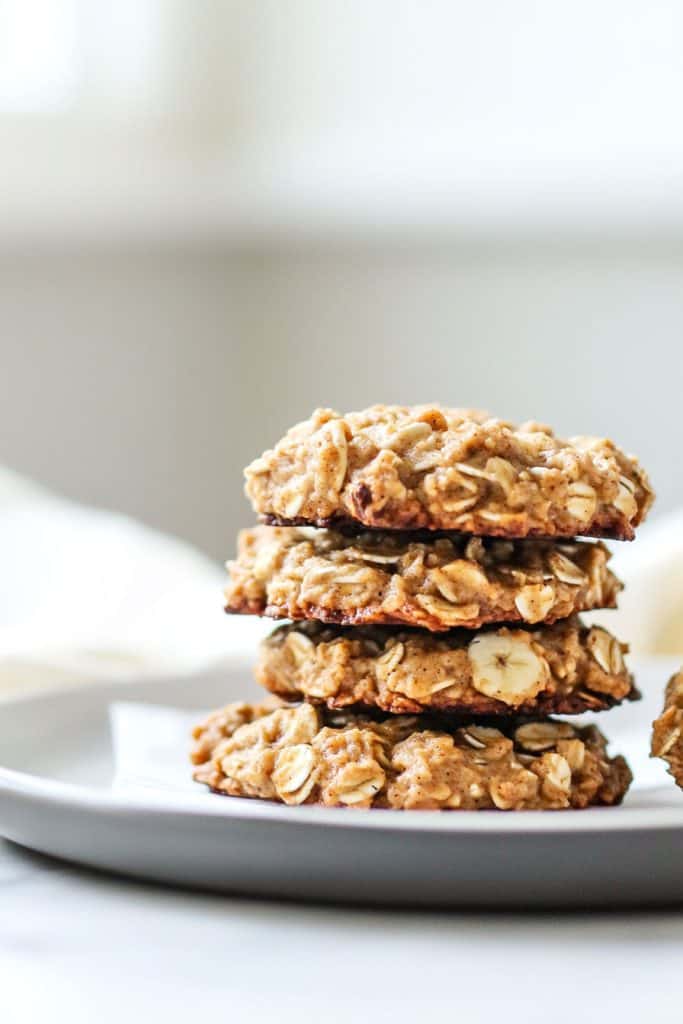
(56,797)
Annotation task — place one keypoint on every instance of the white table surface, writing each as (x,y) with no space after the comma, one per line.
(83,947)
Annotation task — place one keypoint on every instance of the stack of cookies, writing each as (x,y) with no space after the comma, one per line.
(428,561)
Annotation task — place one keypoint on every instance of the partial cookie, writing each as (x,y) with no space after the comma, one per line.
(667,730)
(402,467)
(562,669)
(301,754)
(392,579)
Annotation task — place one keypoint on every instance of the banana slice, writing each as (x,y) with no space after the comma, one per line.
(506,667)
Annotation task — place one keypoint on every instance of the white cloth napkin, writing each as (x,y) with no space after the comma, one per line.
(91,594)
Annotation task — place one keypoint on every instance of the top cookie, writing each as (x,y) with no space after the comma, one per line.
(427,467)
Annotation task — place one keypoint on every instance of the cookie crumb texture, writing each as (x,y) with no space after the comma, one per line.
(563,669)
(393,579)
(429,467)
(303,755)
(667,730)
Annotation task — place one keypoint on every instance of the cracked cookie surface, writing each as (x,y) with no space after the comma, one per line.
(301,754)
(430,467)
(667,730)
(392,579)
(563,669)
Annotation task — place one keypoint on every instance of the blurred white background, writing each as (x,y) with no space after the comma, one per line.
(216,216)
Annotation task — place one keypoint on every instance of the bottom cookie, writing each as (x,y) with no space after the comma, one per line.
(667,730)
(301,754)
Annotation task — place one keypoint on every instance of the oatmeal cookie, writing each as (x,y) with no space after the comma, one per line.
(300,754)
(564,669)
(402,467)
(393,579)
(667,730)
